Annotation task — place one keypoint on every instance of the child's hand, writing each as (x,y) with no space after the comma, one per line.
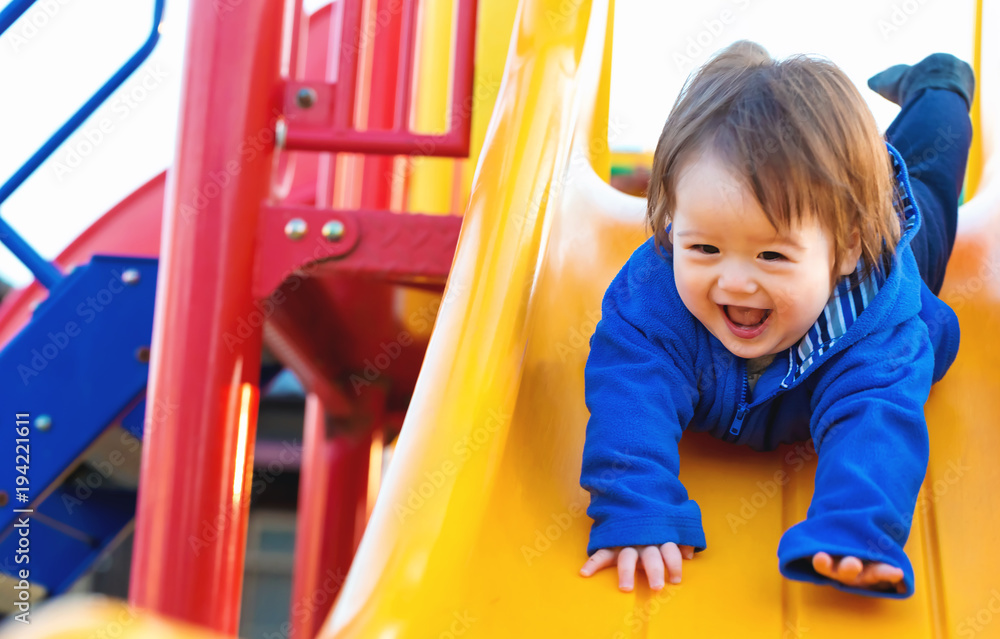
(653,560)
(851,571)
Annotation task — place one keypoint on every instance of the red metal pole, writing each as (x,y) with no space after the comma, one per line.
(376,187)
(198,451)
(333,507)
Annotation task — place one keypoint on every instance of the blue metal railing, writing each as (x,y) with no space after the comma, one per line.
(44,271)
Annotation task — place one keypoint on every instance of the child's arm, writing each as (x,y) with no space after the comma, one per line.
(869,430)
(641,390)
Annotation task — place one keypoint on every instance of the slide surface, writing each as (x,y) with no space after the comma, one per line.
(481,526)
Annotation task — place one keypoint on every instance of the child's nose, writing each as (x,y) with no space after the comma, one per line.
(736,278)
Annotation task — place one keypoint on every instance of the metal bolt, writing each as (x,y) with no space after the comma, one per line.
(306,97)
(333,230)
(43,422)
(4,498)
(295,229)
(130,276)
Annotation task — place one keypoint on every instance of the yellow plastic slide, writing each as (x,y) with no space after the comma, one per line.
(480,527)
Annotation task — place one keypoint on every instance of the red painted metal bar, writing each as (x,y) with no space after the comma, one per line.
(376,181)
(313,485)
(197,456)
(333,498)
(392,246)
(298,41)
(346,86)
(309,134)
(404,84)
(454,144)
(337,95)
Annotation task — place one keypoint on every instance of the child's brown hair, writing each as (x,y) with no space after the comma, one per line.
(801,136)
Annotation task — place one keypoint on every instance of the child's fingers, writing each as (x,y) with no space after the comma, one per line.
(652,563)
(878,572)
(823,564)
(672,557)
(849,568)
(599,561)
(845,570)
(687,552)
(626,568)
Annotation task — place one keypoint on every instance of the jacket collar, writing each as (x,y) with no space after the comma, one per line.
(853,292)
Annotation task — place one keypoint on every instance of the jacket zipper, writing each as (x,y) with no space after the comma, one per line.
(741,412)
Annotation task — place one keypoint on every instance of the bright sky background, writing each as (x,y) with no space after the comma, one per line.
(62,50)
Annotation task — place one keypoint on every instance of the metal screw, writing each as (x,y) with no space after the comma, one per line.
(43,422)
(333,230)
(130,276)
(4,498)
(142,354)
(306,97)
(295,229)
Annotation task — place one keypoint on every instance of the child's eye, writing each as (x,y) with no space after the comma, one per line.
(772,256)
(707,249)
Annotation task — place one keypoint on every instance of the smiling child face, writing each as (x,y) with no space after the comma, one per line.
(757,290)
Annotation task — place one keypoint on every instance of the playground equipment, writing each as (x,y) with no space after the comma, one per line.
(479,527)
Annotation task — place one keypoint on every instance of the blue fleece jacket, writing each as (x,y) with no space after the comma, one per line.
(856,384)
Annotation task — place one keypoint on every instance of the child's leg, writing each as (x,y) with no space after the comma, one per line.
(933,133)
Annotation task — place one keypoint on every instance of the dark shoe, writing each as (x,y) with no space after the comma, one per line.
(901,82)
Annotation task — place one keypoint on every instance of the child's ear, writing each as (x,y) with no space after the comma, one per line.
(851,254)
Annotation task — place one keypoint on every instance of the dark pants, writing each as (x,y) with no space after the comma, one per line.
(933,132)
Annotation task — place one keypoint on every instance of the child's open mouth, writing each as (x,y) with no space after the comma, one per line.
(744,321)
